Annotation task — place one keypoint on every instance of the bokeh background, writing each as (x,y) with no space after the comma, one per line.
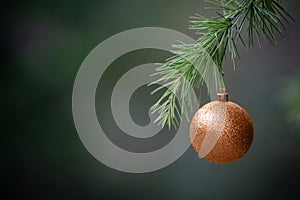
(43,44)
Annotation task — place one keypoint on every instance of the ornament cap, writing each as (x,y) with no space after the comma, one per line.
(222,95)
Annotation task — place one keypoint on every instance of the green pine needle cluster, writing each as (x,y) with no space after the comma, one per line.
(237,21)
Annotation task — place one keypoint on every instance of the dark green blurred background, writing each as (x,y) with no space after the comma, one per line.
(43,44)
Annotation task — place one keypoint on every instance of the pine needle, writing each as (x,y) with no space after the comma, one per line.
(190,63)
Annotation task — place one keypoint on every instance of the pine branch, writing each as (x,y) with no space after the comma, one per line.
(218,35)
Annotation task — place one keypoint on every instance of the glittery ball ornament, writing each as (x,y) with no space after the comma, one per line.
(221,131)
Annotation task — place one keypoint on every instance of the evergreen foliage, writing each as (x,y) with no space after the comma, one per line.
(237,21)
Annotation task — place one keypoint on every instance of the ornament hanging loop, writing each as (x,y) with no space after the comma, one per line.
(222,95)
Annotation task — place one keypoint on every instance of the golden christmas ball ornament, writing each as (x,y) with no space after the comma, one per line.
(221,131)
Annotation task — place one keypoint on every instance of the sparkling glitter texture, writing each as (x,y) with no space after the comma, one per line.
(221,132)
